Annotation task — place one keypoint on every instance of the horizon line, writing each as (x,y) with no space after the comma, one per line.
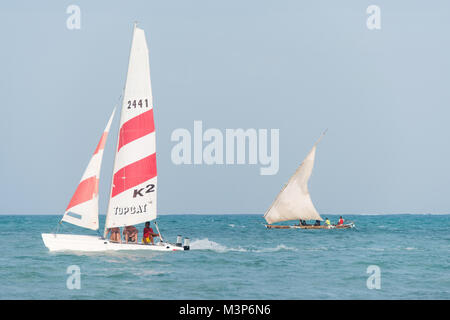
(212,214)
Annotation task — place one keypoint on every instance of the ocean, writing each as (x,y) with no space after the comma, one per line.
(236,257)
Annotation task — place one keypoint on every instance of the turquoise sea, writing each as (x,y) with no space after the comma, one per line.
(236,257)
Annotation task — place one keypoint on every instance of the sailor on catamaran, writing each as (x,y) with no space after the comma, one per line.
(148,234)
(131,234)
(115,235)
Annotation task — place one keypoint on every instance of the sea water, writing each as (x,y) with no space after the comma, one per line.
(236,257)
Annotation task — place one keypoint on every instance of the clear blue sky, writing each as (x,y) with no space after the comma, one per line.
(298,66)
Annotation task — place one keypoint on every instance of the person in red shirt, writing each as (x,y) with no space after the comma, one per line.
(148,234)
(341,221)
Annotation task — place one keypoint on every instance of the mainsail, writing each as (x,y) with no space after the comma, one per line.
(294,201)
(83,207)
(133,188)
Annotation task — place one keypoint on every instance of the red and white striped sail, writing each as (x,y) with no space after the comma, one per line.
(133,189)
(83,207)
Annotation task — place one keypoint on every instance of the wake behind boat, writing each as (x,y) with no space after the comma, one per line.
(134,181)
(294,201)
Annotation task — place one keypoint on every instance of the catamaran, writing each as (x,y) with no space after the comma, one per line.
(294,202)
(134,179)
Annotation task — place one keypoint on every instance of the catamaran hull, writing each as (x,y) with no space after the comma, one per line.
(73,242)
(345,226)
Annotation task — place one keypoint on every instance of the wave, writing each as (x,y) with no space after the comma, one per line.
(206,244)
(279,247)
(232,225)
(318,249)
(151,273)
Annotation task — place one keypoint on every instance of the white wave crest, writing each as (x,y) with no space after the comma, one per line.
(279,247)
(232,225)
(206,244)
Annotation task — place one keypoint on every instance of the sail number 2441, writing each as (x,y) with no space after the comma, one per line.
(141,103)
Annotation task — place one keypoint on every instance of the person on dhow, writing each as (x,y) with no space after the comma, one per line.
(303,223)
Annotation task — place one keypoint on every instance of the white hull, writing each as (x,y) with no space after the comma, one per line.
(74,242)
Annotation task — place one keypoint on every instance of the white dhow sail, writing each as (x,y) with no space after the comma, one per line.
(83,207)
(294,202)
(133,189)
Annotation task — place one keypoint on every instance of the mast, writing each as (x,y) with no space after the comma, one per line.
(110,185)
(118,139)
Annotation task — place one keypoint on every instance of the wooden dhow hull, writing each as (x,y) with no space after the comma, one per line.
(344,226)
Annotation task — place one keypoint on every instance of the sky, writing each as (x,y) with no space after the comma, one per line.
(297,66)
